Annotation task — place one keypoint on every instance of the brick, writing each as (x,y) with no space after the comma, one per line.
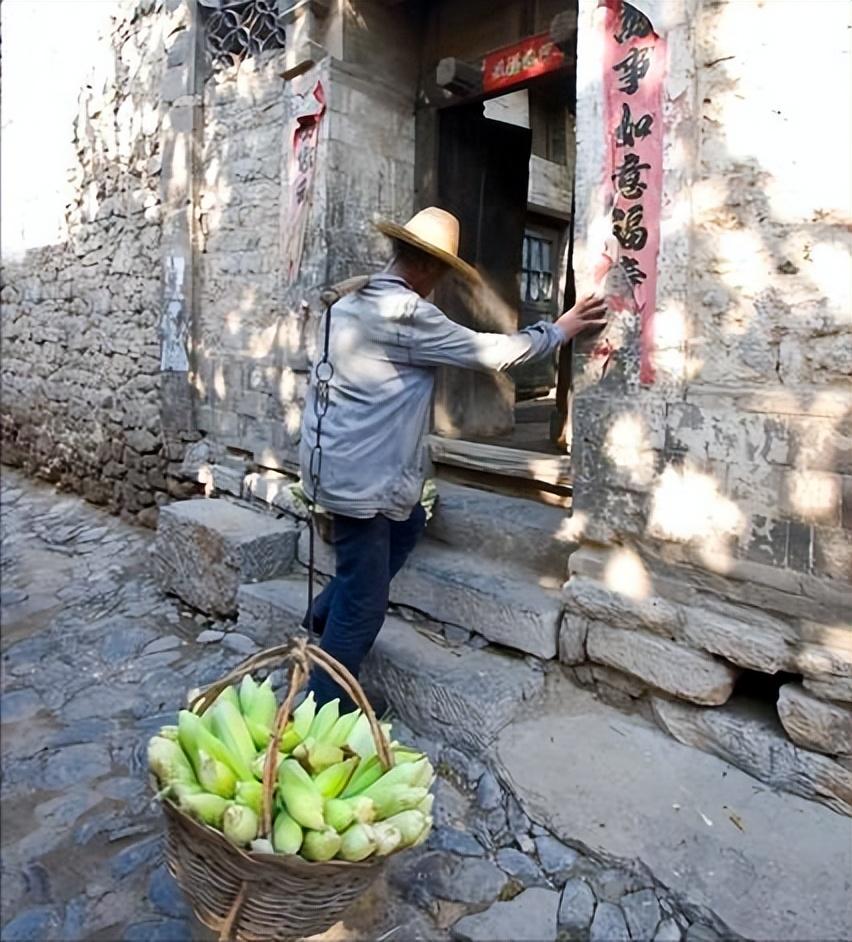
(813,723)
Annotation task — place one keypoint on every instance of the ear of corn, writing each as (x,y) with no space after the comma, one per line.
(342,728)
(338,814)
(364,776)
(320,845)
(169,763)
(207,808)
(332,781)
(410,825)
(395,799)
(239,824)
(388,838)
(299,795)
(303,715)
(357,843)
(229,726)
(324,720)
(250,794)
(215,776)
(259,734)
(286,834)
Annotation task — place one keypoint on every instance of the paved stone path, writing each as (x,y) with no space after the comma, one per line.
(95,658)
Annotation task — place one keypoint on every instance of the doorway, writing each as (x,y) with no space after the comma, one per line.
(504,165)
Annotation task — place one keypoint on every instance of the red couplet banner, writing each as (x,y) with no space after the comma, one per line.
(633,74)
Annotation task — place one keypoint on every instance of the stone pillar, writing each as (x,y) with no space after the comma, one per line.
(181,101)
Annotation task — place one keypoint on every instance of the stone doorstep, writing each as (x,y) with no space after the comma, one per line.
(461,696)
(496,600)
(513,530)
(206,548)
(768,864)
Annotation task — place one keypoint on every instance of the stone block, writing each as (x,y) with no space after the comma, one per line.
(529,917)
(827,670)
(815,724)
(761,643)
(748,735)
(206,548)
(669,666)
(572,638)
(452,586)
(515,530)
(273,610)
(463,697)
(619,610)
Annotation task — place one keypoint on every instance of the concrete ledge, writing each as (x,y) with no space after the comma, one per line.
(272,611)
(206,548)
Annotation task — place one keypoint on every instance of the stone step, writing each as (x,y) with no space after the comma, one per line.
(496,600)
(205,549)
(459,695)
(523,532)
(768,864)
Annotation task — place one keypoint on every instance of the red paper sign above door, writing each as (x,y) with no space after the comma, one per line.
(520,62)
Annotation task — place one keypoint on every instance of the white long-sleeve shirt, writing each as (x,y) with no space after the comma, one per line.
(386,342)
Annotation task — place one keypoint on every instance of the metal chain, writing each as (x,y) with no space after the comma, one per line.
(323,374)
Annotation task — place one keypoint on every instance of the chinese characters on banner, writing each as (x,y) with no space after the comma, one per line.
(634,67)
(300,162)
(525,60)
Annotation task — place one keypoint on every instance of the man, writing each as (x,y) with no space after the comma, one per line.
(386,342)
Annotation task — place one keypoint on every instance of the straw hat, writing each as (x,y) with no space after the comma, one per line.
(434,231)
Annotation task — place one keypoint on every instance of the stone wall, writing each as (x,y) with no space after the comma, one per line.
(81,400)
(254,330)
(714,507)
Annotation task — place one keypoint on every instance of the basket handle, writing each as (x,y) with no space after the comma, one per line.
(300,655)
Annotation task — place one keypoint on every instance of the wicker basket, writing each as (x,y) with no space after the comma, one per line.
(250,897)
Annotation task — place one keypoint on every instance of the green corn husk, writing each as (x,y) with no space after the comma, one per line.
(286,834)
(262,846)
(207,808)
(250,794)
(247,693)
(318,756)
(410,825)
(342,728)
(364,808)
(300,796)
(363,777)
(332,781)
(395,799)
(290,738)
(193,736)
(427,830)
(402,755)
(338,814)
(388,838)
(169,732)
(425,806)
(260,735)
(259,762)
(215,776)
(230,728)
(357,843)
(303,715)
(361,741)
(324,720)
(169,763)
(320,845)
(228,695)
(258,703)
(408,774)
(240,824)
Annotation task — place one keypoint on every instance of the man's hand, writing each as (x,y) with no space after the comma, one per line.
(588,313)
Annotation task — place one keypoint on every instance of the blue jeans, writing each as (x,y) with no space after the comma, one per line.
(349,612)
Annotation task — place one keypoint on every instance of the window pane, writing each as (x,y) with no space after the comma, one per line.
(545,256)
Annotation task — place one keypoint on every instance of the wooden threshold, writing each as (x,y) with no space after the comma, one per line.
(554,470)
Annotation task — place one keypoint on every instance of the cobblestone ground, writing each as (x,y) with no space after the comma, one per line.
(95,659)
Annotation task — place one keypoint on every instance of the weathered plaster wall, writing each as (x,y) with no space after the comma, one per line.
(715,507)
(255,327)
(81,353)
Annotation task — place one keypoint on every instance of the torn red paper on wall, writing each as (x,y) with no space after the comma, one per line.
(633,75)
(301,162)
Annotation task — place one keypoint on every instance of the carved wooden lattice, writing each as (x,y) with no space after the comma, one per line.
(235,29)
